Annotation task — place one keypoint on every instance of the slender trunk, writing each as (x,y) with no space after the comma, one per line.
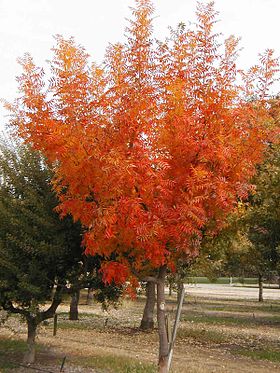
(180,286)
(147,322)
(162,332)
(175,327)
(90,297)
(29,356)
(170,289)
(34,320)
(74,313)
(260,287)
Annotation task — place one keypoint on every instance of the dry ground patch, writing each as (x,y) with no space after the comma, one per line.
(228,336)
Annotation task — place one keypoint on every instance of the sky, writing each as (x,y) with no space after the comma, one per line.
(29,26)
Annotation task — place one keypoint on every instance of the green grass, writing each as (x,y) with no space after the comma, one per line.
(65,315)
(216,320)
(73,325)
(232,320)
(11,352)
(203,336)
(11,345)
(266,308)
(78,324)
(116,364)
(86,321)
(261,354)
(6,365)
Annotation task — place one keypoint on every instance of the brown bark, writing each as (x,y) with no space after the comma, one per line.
(90,297)
(57,298)
(74,305)
(29,356)
(34,321)
(260,287)
(147,322)
(162,332)
(170,289)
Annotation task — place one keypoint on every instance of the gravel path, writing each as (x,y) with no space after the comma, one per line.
(230,292)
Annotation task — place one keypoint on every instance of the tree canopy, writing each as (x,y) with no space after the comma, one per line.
(263,215)
(37,248)
(153,146)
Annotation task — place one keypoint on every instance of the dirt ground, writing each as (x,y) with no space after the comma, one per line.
(209,337)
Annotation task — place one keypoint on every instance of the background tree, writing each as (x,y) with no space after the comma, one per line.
(232,253)
(263,218)
(147,321)
(89,276)
(152,147)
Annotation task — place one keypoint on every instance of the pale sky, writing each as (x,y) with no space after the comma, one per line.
(28,26)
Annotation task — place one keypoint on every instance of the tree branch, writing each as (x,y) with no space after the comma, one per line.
(10,308)
(149,279)
(57,298)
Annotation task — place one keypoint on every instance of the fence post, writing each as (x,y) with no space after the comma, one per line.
(54,324)
(62,364)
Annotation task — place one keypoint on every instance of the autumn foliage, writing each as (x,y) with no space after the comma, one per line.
(152,148)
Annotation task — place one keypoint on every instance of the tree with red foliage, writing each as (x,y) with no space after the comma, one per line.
(153,148)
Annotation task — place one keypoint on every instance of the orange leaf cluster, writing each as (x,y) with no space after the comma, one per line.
(155,145)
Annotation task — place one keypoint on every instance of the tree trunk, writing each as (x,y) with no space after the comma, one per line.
(260,287)
(147,322)
(175,327)
(90,297)
(29,356)
(74,313)
(180,286)
(162,332)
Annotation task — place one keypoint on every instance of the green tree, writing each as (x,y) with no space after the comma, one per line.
(263,215)
(37,249)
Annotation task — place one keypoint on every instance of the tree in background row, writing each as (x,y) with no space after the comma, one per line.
(153,148)
(260,221)
(263,216)
(87,275)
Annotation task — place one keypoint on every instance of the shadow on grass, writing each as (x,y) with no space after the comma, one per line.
(115,364)
(272,355)
(12,352)
(203,336)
